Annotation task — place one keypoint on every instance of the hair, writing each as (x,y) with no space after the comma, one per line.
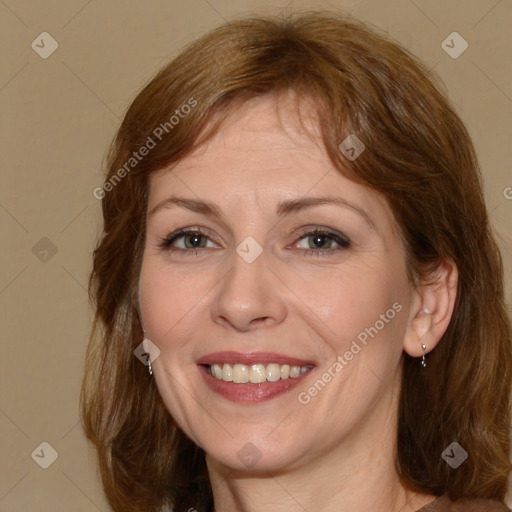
(418,155)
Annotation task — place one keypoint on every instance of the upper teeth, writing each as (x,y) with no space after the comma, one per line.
(256,373)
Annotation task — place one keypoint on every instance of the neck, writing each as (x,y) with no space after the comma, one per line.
(357,476)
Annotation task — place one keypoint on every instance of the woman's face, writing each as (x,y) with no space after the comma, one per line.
(290,276)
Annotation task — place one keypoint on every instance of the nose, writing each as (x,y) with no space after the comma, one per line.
(250,295)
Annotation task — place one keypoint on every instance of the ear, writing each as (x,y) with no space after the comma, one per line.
(431,309)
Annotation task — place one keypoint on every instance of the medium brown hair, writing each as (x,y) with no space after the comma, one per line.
(418,155)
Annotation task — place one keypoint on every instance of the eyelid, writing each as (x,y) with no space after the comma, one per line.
(308,230)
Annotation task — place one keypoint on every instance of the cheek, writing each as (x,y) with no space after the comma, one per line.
(166,300)
(365,304)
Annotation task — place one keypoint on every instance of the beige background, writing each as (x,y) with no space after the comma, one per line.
(58,117)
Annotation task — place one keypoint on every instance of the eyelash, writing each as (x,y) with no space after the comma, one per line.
(343,242)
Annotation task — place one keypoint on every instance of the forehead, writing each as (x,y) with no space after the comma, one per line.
(259,129)
(267,150)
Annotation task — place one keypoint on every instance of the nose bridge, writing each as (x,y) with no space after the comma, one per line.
(245,282)
(248,293)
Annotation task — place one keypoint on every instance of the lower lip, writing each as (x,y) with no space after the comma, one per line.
(251,393)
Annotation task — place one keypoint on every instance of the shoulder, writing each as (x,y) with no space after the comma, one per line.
(444,504)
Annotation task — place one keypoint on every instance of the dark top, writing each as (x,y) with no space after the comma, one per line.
(444,504)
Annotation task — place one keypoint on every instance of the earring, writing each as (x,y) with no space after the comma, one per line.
(150,370)
(148,354)
(423,360)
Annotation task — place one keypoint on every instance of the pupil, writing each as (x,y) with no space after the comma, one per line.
(318,240)
(195,240)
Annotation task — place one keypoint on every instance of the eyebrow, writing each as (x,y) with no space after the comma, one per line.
(285,208)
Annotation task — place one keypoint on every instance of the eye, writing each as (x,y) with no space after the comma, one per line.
(319,242)
(315,242)
(187,238)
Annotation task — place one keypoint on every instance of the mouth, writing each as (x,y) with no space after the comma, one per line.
(252,377)
(256,373)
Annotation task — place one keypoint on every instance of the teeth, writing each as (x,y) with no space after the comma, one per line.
(273,372)
(256,373)
(294,371)
(227,373)
(218,372)
(240,374)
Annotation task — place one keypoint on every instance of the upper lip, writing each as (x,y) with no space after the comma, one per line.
(249,358)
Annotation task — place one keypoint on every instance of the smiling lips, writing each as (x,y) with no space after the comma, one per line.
(252,377)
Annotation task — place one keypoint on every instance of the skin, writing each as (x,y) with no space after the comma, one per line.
(337,451)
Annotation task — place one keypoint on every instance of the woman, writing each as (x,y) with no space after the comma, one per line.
(297,247)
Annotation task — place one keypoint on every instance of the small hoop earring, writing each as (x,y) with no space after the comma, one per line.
(423,360)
